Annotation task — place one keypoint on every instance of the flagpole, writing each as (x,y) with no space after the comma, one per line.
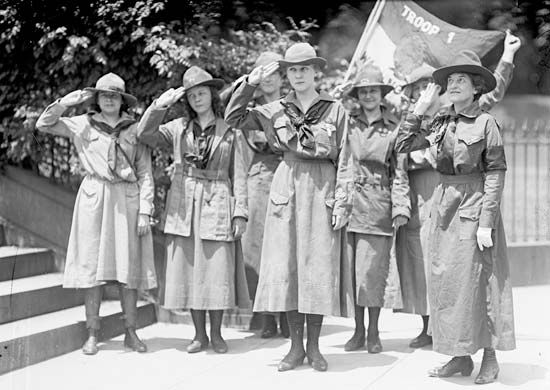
(367,32)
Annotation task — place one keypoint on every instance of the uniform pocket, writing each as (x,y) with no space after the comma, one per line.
(279,205)
(469,222)
(89,187)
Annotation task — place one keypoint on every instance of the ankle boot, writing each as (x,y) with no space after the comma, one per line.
(357,341)
(128,300)
(200,341)
(462,364)
(218,343)
(269,326)
(90,346)
(296,355)
(489,367)
(314,357)
(132,341)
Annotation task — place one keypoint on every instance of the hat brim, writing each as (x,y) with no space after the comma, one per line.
(130,100)
(385,88)
(440,75)
(216,83)
(319,61)
(417,79)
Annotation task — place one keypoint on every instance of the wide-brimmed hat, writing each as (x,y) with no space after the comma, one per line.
(424,71)
(301,54)
(195,76)
(370,76)
(266,58)
(465,62)
(111,82)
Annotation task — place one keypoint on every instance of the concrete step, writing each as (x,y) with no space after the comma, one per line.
(16,263)
(39,338)
(35,295)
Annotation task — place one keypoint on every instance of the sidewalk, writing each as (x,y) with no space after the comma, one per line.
(252,362)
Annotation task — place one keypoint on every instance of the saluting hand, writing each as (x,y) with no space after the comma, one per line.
(427,98)
(340,89)
(261,72)
(170,96)
(239,227)
(75,97)
(144,226)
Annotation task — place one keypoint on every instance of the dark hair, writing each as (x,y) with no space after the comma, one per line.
(217,105)
(94,106)
(480,85)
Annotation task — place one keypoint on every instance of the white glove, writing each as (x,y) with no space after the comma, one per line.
(484,239)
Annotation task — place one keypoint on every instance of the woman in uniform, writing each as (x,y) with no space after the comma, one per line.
(302,272)
(110,239)
(206,210)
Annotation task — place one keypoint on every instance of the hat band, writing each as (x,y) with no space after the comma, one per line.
(111,88)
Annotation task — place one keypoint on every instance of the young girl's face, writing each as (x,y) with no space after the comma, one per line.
(369,97)
(200,99)
(301,77)
(109,102)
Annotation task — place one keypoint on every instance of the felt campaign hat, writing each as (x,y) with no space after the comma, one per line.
(111,82)
(301,54)
(266,58)
(370,76)
(465,62)
(424,71)
(196,76)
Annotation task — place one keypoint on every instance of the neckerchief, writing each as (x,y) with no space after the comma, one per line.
(302,122)
(202,145)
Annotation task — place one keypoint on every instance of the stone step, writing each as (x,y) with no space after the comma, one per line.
(35,295)
(40,338)
(16,263)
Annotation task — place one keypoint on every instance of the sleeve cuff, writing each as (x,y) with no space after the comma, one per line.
(146,207)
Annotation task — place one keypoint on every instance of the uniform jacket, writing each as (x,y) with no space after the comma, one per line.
(381,185)
(98,153)
(467,143)
(223,181)
(329,138)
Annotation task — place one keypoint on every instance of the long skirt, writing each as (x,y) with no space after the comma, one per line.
(104,244)
(370,255)
(411,244)
(470,290)
(260,176)
(304,265)
(203,274)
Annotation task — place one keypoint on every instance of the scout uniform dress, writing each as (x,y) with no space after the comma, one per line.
(380,194)
(302,266)
(470,291)
(412,239)
(104,244)
(204,265)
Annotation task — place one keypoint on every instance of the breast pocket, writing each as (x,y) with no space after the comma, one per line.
(470,145)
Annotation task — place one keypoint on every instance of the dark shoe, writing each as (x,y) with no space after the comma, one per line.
(462,364)
(374,345)
(285,332)
(489,368)
(356,342)
(317,361)
(421,341)
(290,362)
(197,346)
(90,346)
(269,326)
(218,345)
(132,341)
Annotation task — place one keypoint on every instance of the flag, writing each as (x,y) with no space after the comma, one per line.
(400,36)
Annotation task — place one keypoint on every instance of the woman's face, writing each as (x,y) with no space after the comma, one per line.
(460,88)
(369,97)
(271,84)
(418,87)
(301,77)
(109,102)
(200,99)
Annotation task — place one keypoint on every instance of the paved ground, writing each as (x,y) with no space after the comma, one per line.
(251,362)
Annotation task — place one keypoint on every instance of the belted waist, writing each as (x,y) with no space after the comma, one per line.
(206,174)
(115,180)
(461,179)
(374,180)
(313,160)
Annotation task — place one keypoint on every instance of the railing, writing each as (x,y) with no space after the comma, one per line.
(526,198)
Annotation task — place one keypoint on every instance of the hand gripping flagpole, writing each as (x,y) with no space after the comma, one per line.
(367,33)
